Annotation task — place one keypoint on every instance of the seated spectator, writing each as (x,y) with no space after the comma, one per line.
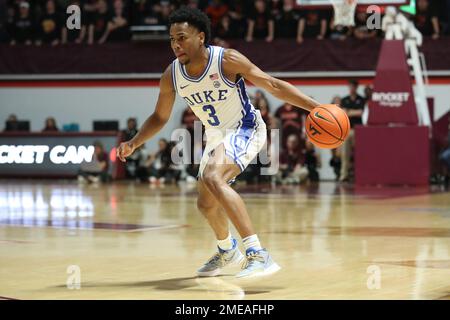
(50,125)
(96,170)
(117,28)
(290,121)
(131,129)
(292,169)
(50,25)
(23,28)
(159,164)
(287,21)
(426,19)
(260,23)
(11,124)
(312,162)
(133,160)
(313,24)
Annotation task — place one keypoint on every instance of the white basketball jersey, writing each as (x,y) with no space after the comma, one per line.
(216,101)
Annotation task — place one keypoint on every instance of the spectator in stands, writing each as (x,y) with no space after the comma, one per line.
(131,129)
(426,19)
(139,12)
(132,161)
(225,30)
(75,35)
(360,30)
(338,31)
(159,164)
(446,17)
(292,169)
(165,10)
(237,13)
(313,24)
(287,21)
(7,15)
(11,124)
(23,26)
(96,170)
(50,125)
(98,23)
(50,25)
(290,121)
(188,119)
(353,104)
(216,10)
(263,106)
(260,23)
(312,162)
(117,28)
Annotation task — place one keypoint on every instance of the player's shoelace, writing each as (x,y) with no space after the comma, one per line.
(252,258)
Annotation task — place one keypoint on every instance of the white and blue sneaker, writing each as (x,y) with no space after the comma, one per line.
(221,259)
(259,263)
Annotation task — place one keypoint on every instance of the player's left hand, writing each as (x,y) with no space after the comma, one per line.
(124,150)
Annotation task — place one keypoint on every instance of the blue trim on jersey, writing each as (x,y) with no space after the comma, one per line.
(174,77)
(247,127)
(227,82)
(188,78)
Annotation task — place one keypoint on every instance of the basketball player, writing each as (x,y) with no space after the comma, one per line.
(211,81)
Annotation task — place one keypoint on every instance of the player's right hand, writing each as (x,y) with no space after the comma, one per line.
(124,150)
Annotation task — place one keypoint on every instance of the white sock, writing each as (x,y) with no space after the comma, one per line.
(227,243)
(252,242)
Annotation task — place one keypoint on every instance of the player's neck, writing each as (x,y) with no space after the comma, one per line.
(198,63)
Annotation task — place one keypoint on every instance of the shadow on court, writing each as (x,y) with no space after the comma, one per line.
(212,285)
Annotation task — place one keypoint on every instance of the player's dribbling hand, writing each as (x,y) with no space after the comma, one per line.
(124,150)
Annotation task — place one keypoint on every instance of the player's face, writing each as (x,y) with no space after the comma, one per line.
(186,41)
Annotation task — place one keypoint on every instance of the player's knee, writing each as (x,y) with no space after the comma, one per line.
(212,179)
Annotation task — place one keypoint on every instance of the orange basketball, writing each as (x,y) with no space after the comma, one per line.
(327,126)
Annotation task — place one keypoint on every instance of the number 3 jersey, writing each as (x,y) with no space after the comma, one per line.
(224,109)
(216,101)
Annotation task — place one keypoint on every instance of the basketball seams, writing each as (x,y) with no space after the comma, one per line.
(332,145)
(312,119)
(340,128)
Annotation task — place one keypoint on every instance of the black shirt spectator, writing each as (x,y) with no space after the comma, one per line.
(287,21)
(99,22)
(23,26)
(353,102)
(313,24)
(426,20)
(260,23)
(131,129)
(50,24)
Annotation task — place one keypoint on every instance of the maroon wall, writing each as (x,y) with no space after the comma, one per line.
(392,155)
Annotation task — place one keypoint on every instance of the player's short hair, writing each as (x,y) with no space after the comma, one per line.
(193,17)
(353,82)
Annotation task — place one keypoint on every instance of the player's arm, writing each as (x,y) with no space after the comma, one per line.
(235,62)
(157,119)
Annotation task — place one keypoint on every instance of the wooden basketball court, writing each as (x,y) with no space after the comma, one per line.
(132,241)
